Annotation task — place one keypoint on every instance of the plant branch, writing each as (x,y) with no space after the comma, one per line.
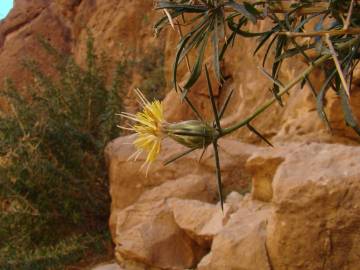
(348,19)
(284,90)
(337,64)
(348,31)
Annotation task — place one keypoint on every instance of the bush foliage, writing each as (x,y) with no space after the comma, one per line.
(53,183)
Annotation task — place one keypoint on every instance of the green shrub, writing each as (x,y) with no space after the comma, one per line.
(53,182)
(152,68)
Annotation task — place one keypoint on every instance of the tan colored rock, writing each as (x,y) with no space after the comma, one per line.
(262,172)
(127,182)
(315,199)
(170,226)
(202,221)
(316,207)
(190,187)
(148,234)
(241,244)
(122,30)
(19,37)
(234,199)
(155,240)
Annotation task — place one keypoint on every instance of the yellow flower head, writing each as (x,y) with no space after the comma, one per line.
(148,127)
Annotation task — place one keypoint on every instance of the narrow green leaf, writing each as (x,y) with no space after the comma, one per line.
(237,29)
(181,47)
(192,107)
(216,54)
(226,45)
(349,117)
(163,21)
(184,8)
(197,35)
(268,50)
(252,9)
(223,109)
(267,75)
(178,156)
(294,51)
(197,68)
(320,99)
(218,174)
(241,9)
(212,99)
(265,37)
(299,27)
(257,133)
(281,42)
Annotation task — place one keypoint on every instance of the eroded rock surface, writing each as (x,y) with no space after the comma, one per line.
(128,181)
(148,232)
(316,219)
(241,242)
(309,218)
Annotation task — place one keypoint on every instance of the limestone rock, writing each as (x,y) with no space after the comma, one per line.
(147,232)
(128,182)
(155,240)
(121,30)
(316,207)
(262,171)
(202,221)
(19,37)
(191,187)
(241,243)
(313,197)
(234,199)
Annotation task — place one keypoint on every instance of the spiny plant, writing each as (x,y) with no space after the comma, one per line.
(53,181)
(217,23)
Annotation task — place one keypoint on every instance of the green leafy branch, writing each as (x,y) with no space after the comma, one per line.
(334,45)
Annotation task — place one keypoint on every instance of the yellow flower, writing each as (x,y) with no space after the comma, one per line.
(148,127)
(151,128)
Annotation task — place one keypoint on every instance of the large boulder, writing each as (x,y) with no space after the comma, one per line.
(202,221)
(128,181)
(171,226)
(314,192)
(315,222)
(303,211)
(148,233)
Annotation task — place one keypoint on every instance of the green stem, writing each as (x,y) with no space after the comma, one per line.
(285,89)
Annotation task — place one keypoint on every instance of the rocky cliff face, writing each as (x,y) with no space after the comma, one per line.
(121,29)
(302,211)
